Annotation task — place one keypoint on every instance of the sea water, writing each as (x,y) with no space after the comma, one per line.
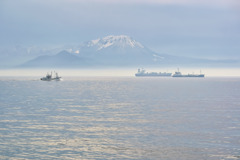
(120,118)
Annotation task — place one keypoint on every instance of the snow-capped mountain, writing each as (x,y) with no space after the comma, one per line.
(108,51)
(121,41)
(115,51)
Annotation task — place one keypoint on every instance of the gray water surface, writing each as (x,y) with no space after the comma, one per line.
(120,118)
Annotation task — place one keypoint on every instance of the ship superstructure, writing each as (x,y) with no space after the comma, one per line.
(49,77)
(143,73)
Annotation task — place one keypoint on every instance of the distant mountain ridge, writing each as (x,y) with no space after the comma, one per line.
(115,51)
(63,58)
(107,51)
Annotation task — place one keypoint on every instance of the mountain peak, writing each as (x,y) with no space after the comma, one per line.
(122,41)
(63,52)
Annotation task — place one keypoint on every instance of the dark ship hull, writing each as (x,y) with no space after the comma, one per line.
(179,74)
(189,75)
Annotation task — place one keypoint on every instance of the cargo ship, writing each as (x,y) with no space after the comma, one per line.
(143,73)
(179,74)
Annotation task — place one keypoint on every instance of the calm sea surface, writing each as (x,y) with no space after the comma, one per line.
(120,118)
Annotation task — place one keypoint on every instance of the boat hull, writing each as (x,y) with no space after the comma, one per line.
(52,79)
(154,75)
(201,75)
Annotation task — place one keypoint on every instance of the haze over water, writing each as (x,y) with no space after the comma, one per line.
(120,118)
(106,113)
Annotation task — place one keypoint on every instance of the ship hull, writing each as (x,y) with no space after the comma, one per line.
(201,75)
(149,75)
(52,79)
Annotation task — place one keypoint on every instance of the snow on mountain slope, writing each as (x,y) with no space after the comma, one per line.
(108,51)
(119,49)
(122,41)
(112,51)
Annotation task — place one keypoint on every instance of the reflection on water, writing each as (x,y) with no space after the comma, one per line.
(120,118)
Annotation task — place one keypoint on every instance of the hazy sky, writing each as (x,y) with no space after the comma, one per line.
(197,28)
